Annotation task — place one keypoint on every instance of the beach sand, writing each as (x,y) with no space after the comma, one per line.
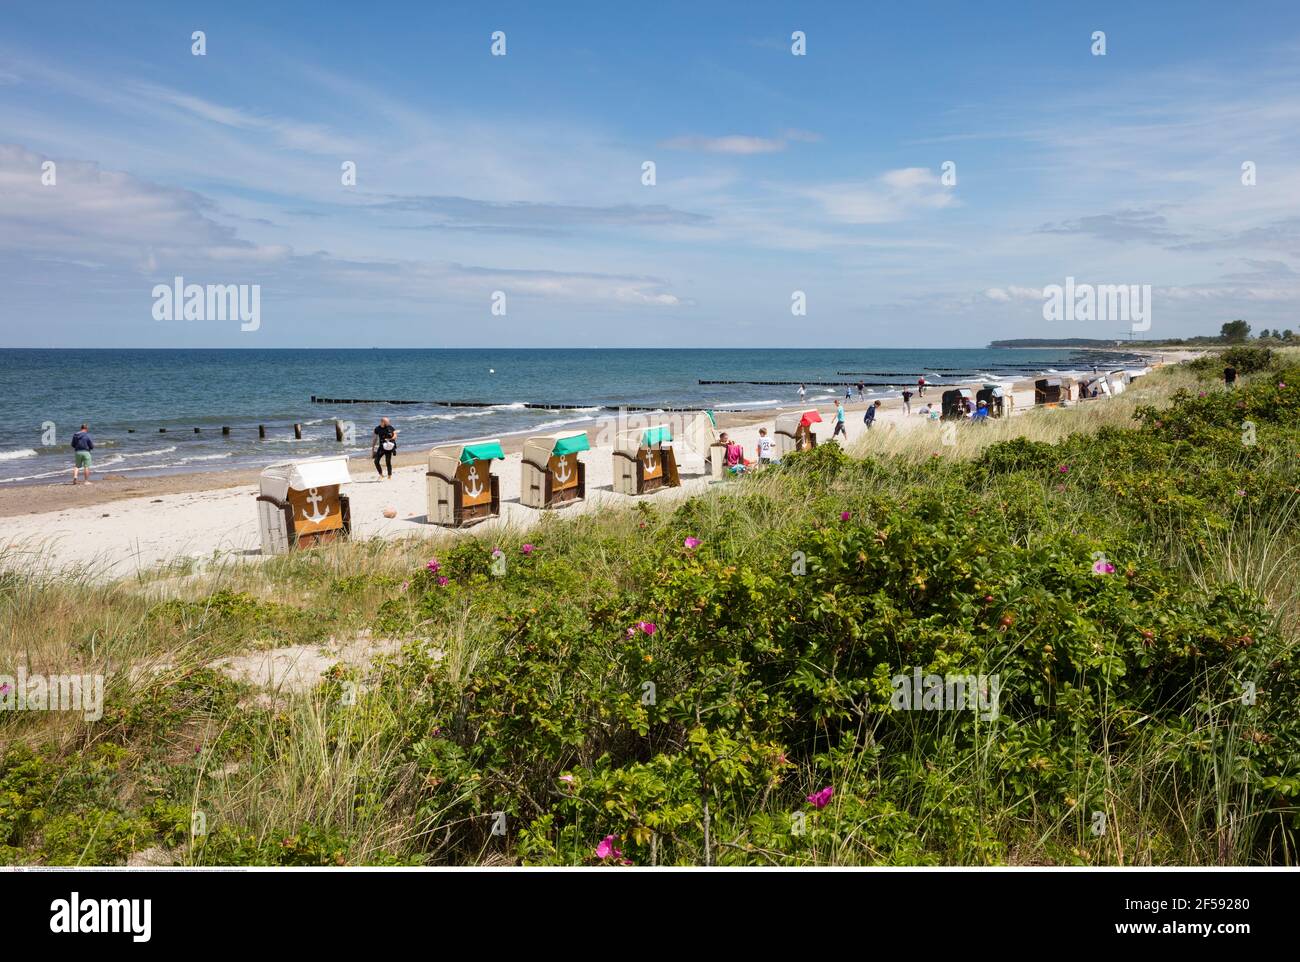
(120,527)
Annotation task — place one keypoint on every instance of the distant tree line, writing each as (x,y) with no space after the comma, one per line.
(1232,332)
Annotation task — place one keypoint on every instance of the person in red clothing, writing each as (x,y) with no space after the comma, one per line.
(734,456)
(920,386)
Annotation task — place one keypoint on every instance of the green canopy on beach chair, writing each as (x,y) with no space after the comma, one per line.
(486,451)
(658,434)
(571,445)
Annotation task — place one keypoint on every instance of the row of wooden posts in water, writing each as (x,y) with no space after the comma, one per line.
(261,431)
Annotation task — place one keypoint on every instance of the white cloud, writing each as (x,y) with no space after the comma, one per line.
(732,144)
(890,197)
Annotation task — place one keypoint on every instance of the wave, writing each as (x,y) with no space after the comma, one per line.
(750,404)
(477,413)
(12,455)
(561,423)
(147,454)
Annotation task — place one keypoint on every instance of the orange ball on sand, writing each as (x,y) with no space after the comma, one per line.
(390,512)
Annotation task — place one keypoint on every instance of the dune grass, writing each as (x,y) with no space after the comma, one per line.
(770,689)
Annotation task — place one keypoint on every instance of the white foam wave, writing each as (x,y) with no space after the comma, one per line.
(12,455)
(477,413)
(561,423)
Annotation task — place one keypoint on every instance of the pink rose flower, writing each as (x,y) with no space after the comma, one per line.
(1064,469)
(845,515)
(1103,568)
(433,565)
(822,799)
(691,543)
(528,548)
(442,581)
(606,848)
(649,627)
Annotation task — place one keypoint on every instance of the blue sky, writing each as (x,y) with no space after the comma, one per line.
(523,173)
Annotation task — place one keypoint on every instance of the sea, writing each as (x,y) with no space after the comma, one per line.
(163,411)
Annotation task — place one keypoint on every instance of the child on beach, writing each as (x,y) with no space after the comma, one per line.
(870,417)
(766,447)
(82,445)
(839,422)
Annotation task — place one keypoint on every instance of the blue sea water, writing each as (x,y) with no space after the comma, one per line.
(128,395)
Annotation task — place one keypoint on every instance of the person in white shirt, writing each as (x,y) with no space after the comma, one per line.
(766,447)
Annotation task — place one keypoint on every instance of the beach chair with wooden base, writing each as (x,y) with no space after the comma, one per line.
(701,436)
(644,461)
(461,488)
(952,406)
(794,432)
(300,505)
(552,475)
(1055,390)
(998,401)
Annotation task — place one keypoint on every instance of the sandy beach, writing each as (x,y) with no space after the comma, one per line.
(119,527)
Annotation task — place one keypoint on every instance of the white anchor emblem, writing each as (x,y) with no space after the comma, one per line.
(650,463)
(562,470)
(472,486)
(317,516)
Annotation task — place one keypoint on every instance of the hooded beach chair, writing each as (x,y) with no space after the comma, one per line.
(299,504)
(1055,390)
(552,475)
(644,461)
(701,436)
(952,405)
(462,490)
(794,431)
(996,399)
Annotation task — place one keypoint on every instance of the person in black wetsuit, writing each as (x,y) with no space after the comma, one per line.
(383,446)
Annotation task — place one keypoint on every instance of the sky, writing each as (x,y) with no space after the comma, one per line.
(501,200)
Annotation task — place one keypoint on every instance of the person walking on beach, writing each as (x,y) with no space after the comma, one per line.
(82,445)
(802,391)
(862,391)
(839,422)
(383,446)
(920,386)
(870,417)
(907,401)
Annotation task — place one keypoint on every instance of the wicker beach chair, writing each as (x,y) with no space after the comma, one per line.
(552,474)
(461,488)
(644,461)
(300,505)
(794,431)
